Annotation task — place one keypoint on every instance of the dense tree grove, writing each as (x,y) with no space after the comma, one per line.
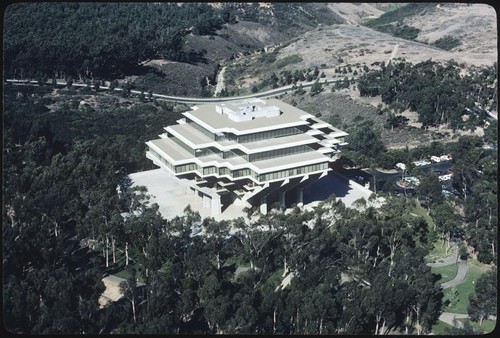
(110,40)
(473,211)
(440,94)
(102,40)
(61,169)
(483,301)
(65,224)
(475,176)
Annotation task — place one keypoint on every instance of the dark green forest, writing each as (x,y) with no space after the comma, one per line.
(440,94)
(392,22)
(100,40)
(65,226)
(110,40)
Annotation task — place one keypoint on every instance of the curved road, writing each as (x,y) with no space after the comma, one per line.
(460,277)
(452,259)
(181,99)
(448,317)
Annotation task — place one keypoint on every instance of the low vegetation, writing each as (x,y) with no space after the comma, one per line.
(447,42)
(392,22)
(456,299)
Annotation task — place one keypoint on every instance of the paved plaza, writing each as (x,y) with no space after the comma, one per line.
(170,194)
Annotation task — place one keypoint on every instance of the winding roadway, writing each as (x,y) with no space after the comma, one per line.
(453,259)
(448,317)
(197,100)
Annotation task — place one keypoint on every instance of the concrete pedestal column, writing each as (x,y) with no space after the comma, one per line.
(263,205)
(282,198)
(216,205)
(206,201)
(300,197)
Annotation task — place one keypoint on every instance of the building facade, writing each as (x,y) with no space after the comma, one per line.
(251,153)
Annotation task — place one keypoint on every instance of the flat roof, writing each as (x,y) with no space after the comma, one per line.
(172,149)
(190,133)
(206,116)
(270,165)
(177,153)
(234,161)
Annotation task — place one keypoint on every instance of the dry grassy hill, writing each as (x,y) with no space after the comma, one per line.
(340,45)
(475,25)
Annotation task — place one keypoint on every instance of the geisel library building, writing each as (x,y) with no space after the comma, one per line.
(250,153)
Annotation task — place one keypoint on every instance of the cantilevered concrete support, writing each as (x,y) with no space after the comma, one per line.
(300,197)
(282,198)
(206,201)
(263,204)
(216,205)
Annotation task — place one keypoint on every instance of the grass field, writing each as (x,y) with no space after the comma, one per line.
(447,272)
(475,270)
(418,210)
(440,328)
(438,252)
(487,325)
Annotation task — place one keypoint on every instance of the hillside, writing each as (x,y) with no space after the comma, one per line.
(460,32)
(473,26)
(346,45)
(181,49)
(354,13)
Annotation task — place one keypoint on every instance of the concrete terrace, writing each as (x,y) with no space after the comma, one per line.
(170,194)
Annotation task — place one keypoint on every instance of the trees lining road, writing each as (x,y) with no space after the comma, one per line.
(180,99)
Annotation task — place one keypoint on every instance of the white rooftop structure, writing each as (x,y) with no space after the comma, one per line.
(249,152)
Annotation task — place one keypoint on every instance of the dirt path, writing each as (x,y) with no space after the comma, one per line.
(394,52)
(220,82)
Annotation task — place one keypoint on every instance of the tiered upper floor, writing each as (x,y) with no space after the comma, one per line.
(262,140)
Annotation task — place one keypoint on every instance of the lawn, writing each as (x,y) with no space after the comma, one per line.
(418,210)
(440,327)
(237,260)
(125,274)
(447,272)
(438,252)
(276,278)
(475,270)
(487,326)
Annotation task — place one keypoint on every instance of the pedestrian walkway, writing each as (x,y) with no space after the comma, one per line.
(447,317)
(452,259)
(460,276)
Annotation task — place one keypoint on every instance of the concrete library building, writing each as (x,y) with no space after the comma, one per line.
(253,153)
